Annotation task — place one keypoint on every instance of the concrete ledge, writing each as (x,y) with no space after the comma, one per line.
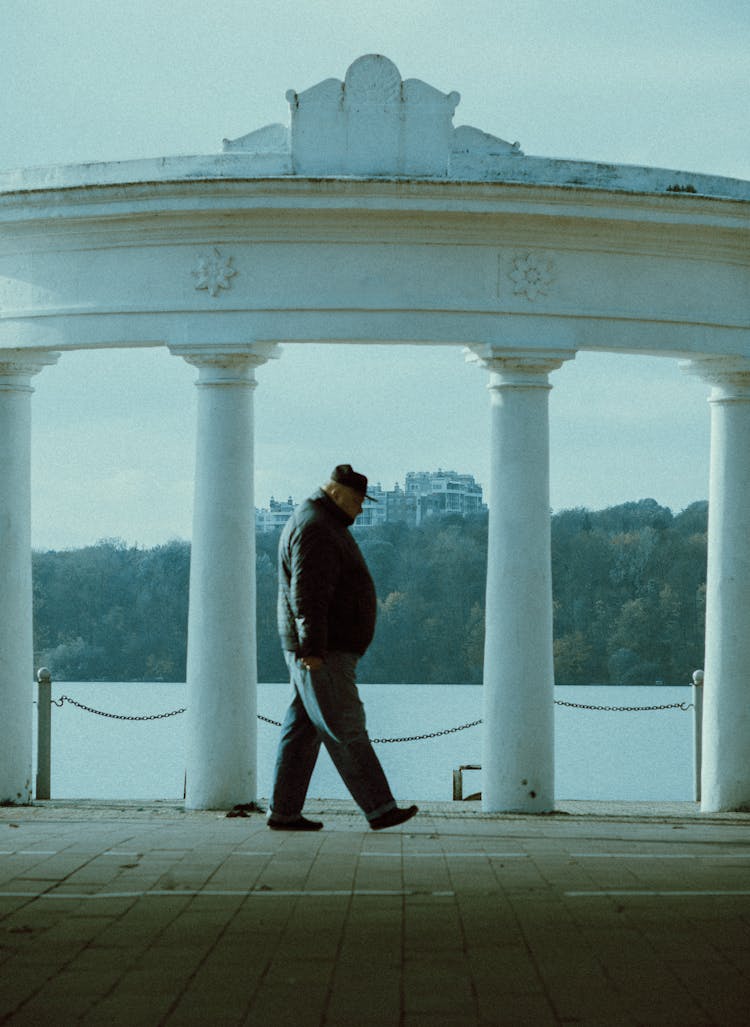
(137,809)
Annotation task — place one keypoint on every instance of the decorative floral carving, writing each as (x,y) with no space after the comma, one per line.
(214,273)
(532,275)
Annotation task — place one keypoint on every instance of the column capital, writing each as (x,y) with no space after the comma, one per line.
(228,363)
(18,367)
(729,376)
(525,367)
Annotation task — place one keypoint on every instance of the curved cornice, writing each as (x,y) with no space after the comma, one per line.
(568,175)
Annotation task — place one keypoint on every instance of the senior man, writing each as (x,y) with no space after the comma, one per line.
(326,615)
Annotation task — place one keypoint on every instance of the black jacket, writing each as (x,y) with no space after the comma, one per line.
(326,595)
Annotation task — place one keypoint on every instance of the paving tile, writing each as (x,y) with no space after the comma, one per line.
(438,985)
(219,992)
(124,1007)
(292,992)
(363,993)
(20,985)
(67,997)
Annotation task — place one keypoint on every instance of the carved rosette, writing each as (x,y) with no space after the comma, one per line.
(214,273)
(532,275)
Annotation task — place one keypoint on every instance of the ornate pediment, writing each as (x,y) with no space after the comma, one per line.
(373,124)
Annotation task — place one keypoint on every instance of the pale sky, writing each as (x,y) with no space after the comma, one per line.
(653,82)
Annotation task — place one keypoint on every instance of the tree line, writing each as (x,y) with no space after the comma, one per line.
(628,593)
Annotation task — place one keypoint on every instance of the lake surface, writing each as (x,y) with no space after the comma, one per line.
(598,755)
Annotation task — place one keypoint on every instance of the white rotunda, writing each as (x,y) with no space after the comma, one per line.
(372,219)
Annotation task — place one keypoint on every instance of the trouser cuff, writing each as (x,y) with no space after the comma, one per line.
(385,808)
(282,818)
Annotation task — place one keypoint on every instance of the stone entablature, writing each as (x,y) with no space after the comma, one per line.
(373,219)
(373,261)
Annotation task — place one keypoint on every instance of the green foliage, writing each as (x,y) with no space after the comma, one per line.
(109,613)
(628,593)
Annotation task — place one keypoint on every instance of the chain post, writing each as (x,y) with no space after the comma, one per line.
(697,732)
(44,734)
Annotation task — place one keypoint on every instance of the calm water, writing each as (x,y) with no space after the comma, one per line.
(632,756)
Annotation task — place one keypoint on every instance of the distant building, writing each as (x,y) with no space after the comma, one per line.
(374,513)
(276,516)
(444,492)
(424,494)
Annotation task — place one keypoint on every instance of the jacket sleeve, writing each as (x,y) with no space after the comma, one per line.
(315,565)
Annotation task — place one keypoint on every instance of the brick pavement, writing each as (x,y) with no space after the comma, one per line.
(600,914)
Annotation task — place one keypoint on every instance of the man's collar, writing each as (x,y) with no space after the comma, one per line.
(341,515)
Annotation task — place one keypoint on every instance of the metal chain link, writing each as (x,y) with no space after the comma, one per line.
(406,738)
(268,720)
(114,716)
(432,734)
(627,709)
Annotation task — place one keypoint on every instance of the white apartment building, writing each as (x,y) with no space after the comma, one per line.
(423,494)
(276,516)
(444,492)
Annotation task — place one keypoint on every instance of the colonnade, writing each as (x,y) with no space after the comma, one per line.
(518,742)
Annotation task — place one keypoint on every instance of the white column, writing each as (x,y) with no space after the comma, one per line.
(518,731)
(17,368)
(221,665)
(725,775)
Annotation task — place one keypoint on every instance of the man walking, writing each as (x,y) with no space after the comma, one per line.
(326,615)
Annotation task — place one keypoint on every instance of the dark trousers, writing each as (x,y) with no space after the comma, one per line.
(326,708)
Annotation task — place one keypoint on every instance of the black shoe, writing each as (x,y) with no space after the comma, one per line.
(394,817)
(300,824)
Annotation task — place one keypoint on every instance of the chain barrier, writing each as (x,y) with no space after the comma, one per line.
(684,706)
(384,741)
(432,734)
(276,723)
(115,716)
